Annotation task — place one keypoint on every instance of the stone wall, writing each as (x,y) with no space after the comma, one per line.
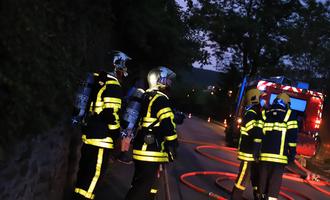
(41,168)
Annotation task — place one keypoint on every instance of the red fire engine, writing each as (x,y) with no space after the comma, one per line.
(307,103)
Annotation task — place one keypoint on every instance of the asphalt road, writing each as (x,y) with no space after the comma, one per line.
(192,133)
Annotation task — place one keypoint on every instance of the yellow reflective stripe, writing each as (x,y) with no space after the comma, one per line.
(163,94)
(240,179)
(91,107)
(263,115)
(150,104)
(286,118)
(117,121)
(149,119)
(100,144)
(239,141)
(273,155)
(99,101)
(112,100)
(150,153)
(98,104)
(112,82)
(293,122)
(97,171)
(153,191)
(257,140)
(251,111)
(104,142)
(150,159)
(107,139)
(84,193)
(144,147)
(245,156)
(292,144)
(111,105)
(163,116)
(99,94)
(147,124)
(275,124)
(273,160)
(259,124)
(274,128)
(249,128)
(113,126)
(162,146)
(292,126)
(98,110)
(172,137)
(282,142)
(244,132)
(281,110)
(163,111)
(250,123)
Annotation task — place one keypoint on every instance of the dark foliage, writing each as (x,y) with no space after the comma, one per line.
(46,47)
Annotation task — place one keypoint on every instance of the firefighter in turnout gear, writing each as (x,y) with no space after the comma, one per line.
(156,139)
(102,127)
(249,145)
(278,145)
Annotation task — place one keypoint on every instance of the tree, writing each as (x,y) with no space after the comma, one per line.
(267,35)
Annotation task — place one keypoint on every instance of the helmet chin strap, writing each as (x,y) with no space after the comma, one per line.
(120,74)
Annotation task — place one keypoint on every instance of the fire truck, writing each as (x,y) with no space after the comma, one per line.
(308,105)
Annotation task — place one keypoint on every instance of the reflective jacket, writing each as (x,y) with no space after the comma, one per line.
(156,129)
(280,135)
(103,124)
(250,133)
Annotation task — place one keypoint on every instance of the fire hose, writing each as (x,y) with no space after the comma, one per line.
(293,176)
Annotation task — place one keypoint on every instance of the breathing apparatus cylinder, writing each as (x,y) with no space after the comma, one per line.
(132,112)
(82,100)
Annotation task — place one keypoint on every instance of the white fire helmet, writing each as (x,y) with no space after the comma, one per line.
(160,78)
(119,62)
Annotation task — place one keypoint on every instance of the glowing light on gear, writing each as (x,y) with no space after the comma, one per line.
(153,79)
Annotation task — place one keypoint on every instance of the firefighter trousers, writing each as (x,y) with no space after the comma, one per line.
(270,179)
(92,168)
(144,184)
(248,170)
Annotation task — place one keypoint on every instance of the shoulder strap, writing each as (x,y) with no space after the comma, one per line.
(154,95)
(263,114)
(287,116)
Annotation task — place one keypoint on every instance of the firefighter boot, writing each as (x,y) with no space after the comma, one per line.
(256,195)
(236,194)
(263,197)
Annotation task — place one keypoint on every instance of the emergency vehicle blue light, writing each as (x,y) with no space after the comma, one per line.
(296,104)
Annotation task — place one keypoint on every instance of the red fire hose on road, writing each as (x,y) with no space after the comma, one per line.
(225,175)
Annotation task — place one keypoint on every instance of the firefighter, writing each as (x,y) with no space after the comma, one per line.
(249,145)
(102,127)
(156,139)
(278,145)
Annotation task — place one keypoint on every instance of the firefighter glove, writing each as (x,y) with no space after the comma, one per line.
(171,151)
(292,154)
(291,158)
(256,151)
